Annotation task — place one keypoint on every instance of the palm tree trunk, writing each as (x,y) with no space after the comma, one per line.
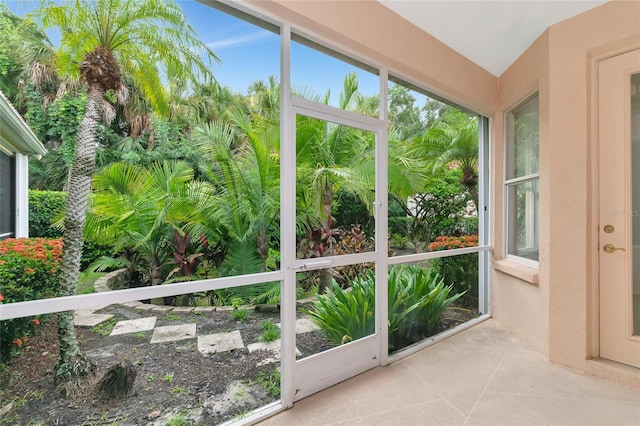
(155,272)
(71,362)
(469,179)
(326,275)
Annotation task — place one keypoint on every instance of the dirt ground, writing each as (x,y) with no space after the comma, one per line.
(175,384)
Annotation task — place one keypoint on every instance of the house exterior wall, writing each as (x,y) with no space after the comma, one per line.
(558,316)
(18,141)
(517,302)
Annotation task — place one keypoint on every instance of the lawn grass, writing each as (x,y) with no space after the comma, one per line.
(86,280)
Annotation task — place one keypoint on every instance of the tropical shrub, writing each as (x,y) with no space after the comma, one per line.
(28,271)
(417,299)
(45,207)
(460,272)
(344,315)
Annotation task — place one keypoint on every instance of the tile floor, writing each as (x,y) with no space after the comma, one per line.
(483,376)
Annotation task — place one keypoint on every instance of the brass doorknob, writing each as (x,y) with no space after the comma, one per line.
(610,248)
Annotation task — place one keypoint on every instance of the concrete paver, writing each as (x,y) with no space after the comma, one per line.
(133,326)
(220,342)
(89,319)
(172,333)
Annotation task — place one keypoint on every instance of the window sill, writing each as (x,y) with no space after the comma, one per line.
(523,272)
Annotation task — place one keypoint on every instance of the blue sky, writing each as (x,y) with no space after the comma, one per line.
(249,53)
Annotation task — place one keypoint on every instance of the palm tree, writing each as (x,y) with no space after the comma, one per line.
(455,145)
(245,181)
(102,40)
(331,157)
(133,210)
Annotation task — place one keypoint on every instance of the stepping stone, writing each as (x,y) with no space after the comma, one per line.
(88,318)
(161,308)
(304,325)
(305,301)
(221,342)
(133,326)
(172,333)
(133,304)
(273,347)
(182,309)
(205,309)
(145,307)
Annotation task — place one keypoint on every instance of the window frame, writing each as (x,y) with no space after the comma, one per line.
(510,183)
(9,161)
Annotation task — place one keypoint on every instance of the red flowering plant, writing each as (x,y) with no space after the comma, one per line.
(449,243)
(28,271)
(459,271)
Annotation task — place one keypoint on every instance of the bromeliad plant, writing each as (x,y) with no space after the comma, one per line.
(417,299)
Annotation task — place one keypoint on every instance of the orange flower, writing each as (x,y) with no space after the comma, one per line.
(17,342)
(30,271)
(1,297)
(35,321)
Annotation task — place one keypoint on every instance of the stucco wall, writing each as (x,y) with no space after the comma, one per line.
(561,63)
(571,45)
(521,305)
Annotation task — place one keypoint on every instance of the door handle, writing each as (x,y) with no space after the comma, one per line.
(610,248)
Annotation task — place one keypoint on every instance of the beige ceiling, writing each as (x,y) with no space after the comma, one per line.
(493,34)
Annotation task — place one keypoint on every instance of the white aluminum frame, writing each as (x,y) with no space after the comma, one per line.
(289,106)
(327,368)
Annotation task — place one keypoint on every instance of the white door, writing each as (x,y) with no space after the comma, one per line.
(619,205)
(327,168)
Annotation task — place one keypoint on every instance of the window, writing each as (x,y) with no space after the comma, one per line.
(521,180)
(7,196)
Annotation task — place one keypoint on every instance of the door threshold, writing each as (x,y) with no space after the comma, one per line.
(614,371)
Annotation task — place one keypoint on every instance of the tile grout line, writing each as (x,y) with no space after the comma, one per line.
(484,389)
(526,408)
(436,391)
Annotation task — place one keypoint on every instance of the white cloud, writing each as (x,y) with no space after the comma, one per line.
(238,40)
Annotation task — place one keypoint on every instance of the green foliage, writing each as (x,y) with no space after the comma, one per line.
(45,207)
(460,272)
(55,125)
(255,294)
(438,210)
(62,120)
(404,114)
(346,315)
(417,299)
(28,271)
(22,45)
(106,327)
(270,331)
(349,212)
(86,279)
(240,314)
(270,383)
